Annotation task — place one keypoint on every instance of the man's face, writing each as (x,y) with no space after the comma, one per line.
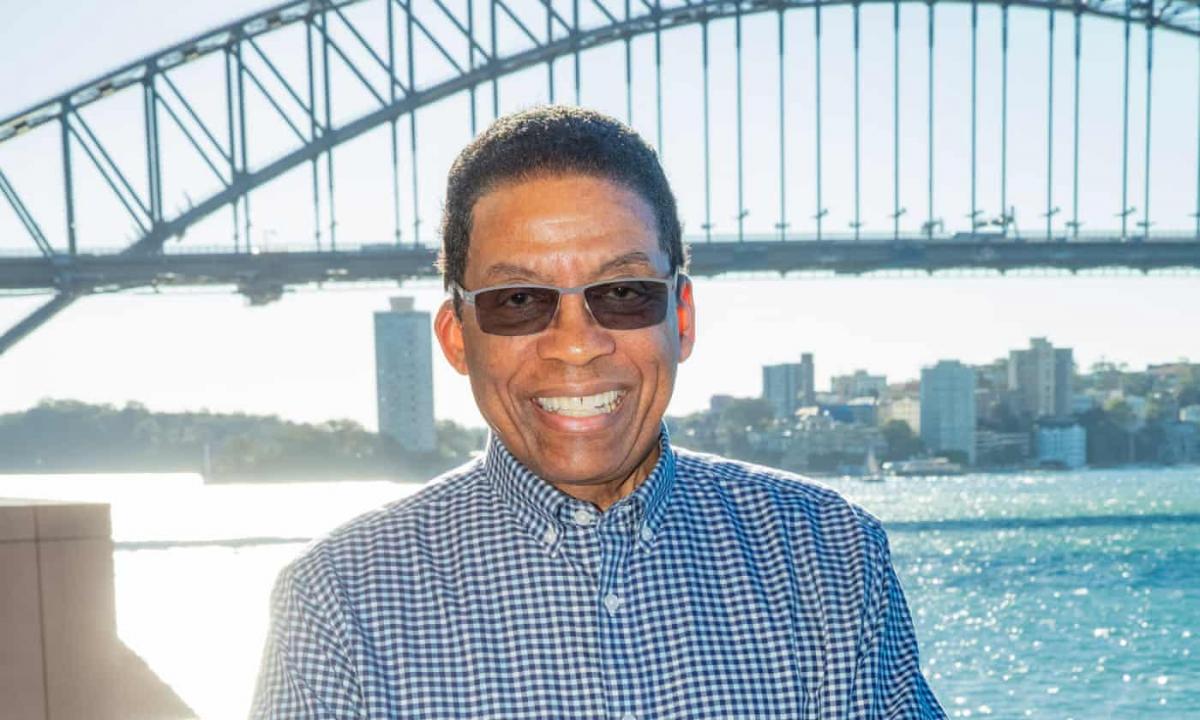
(569,230)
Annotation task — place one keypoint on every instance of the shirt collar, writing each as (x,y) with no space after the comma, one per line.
(542,509)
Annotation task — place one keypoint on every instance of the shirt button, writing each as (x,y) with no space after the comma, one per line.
(647,534)
(550,535)
(583,517)
(629,716)
(612,601)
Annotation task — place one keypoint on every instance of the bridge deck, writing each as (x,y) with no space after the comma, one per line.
(259,272)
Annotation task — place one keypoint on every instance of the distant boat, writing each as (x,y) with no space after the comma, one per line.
(871,470)
(206,463)
(923,467)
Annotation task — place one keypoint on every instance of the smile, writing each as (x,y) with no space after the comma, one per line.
(585,406)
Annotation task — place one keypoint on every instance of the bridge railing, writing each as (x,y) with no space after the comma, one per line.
(1092,236)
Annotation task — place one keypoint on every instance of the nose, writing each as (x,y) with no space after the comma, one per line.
(573,336)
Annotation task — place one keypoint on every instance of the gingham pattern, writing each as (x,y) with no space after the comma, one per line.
(717,589)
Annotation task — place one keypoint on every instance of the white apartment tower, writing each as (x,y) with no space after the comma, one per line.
(948,408)
(404,375)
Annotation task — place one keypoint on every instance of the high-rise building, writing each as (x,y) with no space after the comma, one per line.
(860,384)
(404,375)
(948,408)
(1061,444)
(1040,379)
(790,386)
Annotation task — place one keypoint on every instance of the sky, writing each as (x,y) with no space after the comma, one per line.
(310,357)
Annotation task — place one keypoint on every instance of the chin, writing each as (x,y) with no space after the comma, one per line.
(579,470)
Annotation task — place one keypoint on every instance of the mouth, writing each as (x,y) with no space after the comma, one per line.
(584,406)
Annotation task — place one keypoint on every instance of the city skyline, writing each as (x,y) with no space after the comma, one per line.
(297,391)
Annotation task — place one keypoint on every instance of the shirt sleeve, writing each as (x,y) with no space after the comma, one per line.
(888,682)
(307,672)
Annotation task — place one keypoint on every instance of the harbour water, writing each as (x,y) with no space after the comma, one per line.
(1046,595)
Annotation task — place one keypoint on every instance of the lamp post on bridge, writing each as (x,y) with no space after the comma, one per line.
(1049,215)
(895,218)
(782,228)
(1124,215)
(1145,227)
(856,226)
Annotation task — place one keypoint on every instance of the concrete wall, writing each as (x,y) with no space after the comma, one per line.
(60,657)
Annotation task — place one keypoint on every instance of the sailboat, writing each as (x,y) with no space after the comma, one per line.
(871,469)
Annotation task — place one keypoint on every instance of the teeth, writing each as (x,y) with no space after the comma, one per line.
(587,406)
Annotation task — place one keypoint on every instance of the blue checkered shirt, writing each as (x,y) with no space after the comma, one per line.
(717,589)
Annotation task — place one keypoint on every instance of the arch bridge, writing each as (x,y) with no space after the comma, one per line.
(109,182)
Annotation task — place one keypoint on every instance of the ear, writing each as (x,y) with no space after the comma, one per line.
(449,331)
(685,313)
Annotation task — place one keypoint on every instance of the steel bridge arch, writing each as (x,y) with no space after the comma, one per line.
(1174,15)
(563,38)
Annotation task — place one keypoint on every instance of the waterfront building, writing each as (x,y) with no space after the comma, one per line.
(948,408)
(907,409)
(865,410)
(1181,443)
(790,386)
(1001,448)
(1190,414)
(1040,378)
(858,385)
(860,411)
(404,375)
(1061,444)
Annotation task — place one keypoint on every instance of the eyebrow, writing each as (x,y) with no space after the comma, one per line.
(512,271)
(636,259)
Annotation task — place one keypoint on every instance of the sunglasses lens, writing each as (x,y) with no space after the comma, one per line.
(628,304)
(515,310)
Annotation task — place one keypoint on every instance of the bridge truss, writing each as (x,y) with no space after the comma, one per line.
(418,52)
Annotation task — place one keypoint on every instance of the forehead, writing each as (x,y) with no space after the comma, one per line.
(557,225)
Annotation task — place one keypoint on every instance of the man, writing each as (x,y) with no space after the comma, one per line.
(585,567)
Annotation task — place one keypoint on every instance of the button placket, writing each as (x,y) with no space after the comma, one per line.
(583,517)
(617,629)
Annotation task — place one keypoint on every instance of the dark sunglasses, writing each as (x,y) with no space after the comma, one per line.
(624,304)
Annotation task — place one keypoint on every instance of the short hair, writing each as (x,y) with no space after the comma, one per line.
(553,140)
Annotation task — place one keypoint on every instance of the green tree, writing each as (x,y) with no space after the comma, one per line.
(902,443)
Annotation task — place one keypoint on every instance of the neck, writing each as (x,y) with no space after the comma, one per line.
(604,495)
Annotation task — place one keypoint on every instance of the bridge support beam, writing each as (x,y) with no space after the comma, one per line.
(35,319)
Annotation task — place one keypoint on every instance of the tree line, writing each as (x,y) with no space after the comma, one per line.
(65,436)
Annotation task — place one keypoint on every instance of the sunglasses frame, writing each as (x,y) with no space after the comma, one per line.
(468,296)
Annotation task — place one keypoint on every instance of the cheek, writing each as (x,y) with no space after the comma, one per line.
(656,355)
(494,364)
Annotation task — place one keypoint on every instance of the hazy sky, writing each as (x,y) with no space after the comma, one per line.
(310,355)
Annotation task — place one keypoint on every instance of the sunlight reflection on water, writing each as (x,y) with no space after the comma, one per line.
(1047,595)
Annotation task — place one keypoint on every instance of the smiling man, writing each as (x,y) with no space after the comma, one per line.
(584,567)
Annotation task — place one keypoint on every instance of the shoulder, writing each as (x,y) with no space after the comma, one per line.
(395,534)
(814,512)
